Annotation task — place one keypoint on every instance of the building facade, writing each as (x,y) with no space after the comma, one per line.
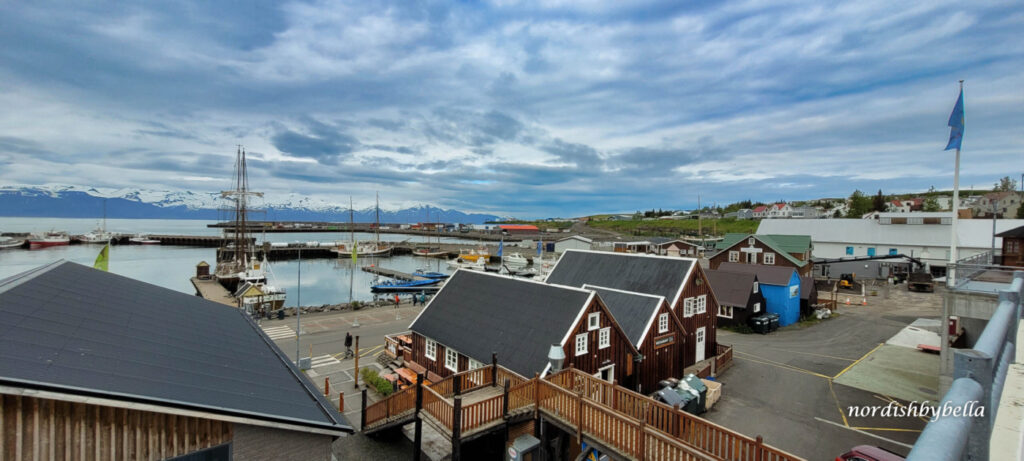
(771,250)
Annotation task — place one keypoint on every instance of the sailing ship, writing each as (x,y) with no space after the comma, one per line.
(376,248)
(100,234)
(431,251)
(238,268)
(48,239)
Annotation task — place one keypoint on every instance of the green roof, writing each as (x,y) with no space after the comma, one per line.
(783,244)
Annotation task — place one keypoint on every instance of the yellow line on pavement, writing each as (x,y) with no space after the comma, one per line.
(838,406)
(779,364)
(886,398)
(858,361)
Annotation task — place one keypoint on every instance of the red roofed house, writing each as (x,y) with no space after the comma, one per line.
(761,211)
(518,229)
(779,210)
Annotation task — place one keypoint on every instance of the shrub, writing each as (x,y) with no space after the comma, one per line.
(373,379)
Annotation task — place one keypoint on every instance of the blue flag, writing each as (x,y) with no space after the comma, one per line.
(540,245)
(956,123)
(501,246)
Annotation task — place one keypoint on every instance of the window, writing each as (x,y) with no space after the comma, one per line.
(893,252)
(769,258)
(871,251)
(700,335)
(431,350)
(594,321)
(663,323)
(581,344)
(756,286)
(750,241)
(734,256)
(604,337)
(702,304)
(451,360)
(849,251)
(725,311)
(688,307)
(757,307)
(473,364)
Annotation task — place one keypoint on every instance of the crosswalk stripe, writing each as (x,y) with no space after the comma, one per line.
(324,360)
(282,332)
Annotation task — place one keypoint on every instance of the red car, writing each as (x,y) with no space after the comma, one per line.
(869,453)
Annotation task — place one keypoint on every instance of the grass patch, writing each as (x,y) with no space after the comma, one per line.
(674,228)
(373,379)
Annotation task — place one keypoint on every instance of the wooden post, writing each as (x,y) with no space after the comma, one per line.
(494,369)
(504,409)
(355,381)
(456,428)
(757,448)
(418,429)
(362,418)
(678,429)
(341,402)
(327,386)
(536,397)
(311,352)
(579,417)
(456,385)
(643,424)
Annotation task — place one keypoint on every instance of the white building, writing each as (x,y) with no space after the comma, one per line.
(574,242)
(925,235)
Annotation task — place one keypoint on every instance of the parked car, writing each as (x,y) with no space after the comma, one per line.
(869,453)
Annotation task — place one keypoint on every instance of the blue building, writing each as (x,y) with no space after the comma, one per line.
(779,285)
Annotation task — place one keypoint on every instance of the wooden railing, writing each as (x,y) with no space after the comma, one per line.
(706,436)
(393,405)
(436,405)
(521,395)
(481,413)
(514,378)
(723,359)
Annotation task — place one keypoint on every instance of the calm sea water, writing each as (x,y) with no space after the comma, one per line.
(324,281)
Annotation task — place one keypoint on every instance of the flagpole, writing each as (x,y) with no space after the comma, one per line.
(951,273)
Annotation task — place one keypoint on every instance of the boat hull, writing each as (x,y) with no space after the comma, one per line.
(37,244)
(12,244)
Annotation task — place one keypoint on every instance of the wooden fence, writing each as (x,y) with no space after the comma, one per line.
(438,407)
(397,404)
(482,413)
(723,359)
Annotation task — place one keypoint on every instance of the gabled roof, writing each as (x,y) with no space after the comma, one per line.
(782,244)
(731,288)
(655,275)
(780,206)
(478,314)
(760,208)
(576,237)
(634,312)
(1015,232)
(807,287)
(70,328)
(767,275)
(668,242)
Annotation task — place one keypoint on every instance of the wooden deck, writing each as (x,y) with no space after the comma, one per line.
(632,425)
(212,290)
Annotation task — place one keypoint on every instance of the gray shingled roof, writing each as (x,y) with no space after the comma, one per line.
(771,275)
(75,329)
(656,275)
(478,314)
(632,311)
(806,287)
(731,288)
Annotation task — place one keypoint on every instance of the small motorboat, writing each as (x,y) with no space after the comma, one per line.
(515,260)
(414,286)
(96,236)
(458,263)
(430,275)
(429,252)
(48,239)
(11,242)
(143,240)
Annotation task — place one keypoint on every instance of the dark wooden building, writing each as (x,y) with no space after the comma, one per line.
(770,250)
(653,328)
(808,296)
(94,365)
(1013,246)
(739,296)
(478,314)
(681,281)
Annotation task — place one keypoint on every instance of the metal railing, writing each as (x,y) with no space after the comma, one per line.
(978,377)
(980,267)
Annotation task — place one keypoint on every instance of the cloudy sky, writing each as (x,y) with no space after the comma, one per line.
(556,108)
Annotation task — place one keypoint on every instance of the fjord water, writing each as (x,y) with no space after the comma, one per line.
(324,281)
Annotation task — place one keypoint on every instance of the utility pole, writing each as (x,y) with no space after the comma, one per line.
(298,311)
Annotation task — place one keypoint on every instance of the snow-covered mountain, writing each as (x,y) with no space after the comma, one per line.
(63,201)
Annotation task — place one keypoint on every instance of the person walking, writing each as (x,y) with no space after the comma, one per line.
(414,299)
(348,345)
(396,301)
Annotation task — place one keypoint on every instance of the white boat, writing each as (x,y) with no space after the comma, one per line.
(10,242)
(143,240)
(344,250)
(515,260)
(48,239)
(478,265)
(96,236)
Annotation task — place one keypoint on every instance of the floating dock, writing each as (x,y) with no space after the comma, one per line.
(211,290)
(391,273)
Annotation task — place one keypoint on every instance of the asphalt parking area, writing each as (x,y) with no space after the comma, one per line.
(783,386)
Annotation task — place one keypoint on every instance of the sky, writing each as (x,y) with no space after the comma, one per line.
(519,108)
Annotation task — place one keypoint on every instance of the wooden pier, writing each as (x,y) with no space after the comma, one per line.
(211,290)
(391,273)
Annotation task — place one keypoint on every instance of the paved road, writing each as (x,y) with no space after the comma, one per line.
(781,385)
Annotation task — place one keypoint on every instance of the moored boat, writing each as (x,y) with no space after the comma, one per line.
(429,252)
(143,240)
(414,286)
(48,239)
(11,242)
(458,263)
(96,236)
(515,260)
(473,255)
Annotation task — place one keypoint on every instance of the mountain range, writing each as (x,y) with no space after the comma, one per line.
(89,202)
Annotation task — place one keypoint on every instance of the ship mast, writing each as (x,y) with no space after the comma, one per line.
(240,198)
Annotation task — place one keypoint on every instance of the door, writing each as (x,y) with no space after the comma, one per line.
(606,373)
(751,258)
(700,345)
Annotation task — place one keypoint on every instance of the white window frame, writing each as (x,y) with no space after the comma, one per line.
(701,306)
(581,344)
(750,241)
(448,354)
(757,307)
(769,259)
(593,321)
(663,322)
(688,307)
(757,286)
(430,350)
(734,256)
(723,310)
(473,364)
(604,337)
